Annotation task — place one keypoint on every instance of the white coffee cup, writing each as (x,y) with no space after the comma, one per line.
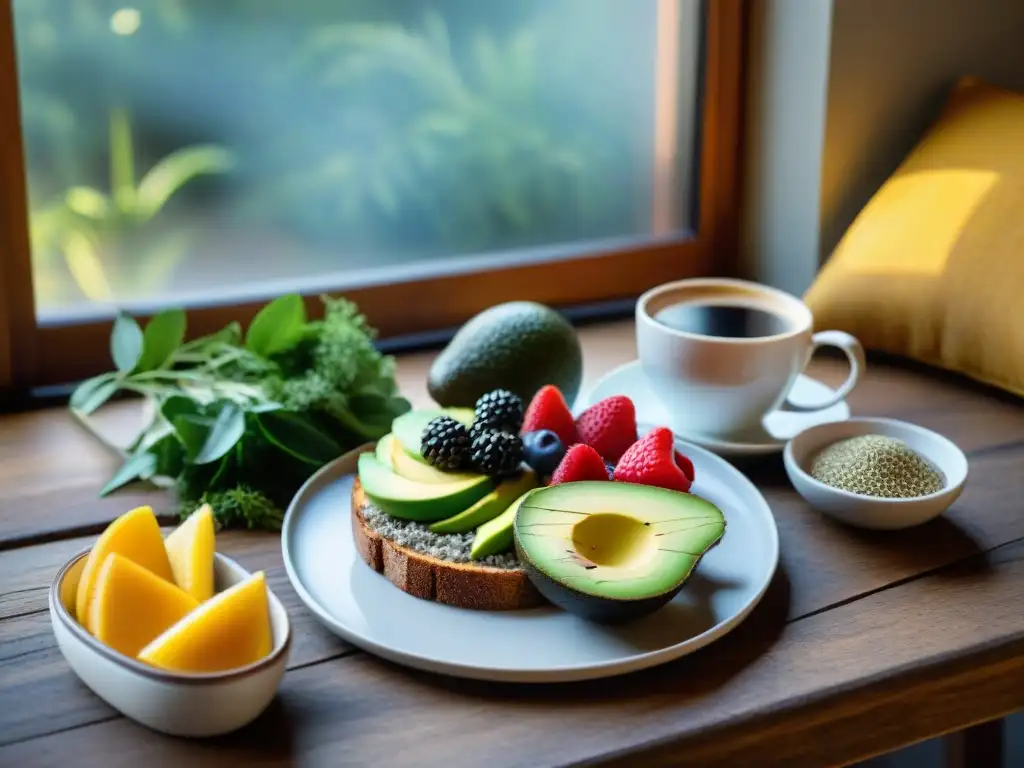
(723,386)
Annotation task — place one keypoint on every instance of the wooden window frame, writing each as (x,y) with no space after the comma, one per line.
(34,354)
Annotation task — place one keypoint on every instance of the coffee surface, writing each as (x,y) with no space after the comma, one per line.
(722,320)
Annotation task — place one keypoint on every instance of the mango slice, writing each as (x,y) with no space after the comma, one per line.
(230,630)
(190,549)
(132,605)
(134,535)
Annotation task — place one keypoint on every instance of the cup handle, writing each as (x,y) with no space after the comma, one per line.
(854,354)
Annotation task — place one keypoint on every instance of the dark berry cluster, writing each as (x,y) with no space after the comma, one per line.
(496,453)
(500,411)
(496,448)
(491,445)
(446,444)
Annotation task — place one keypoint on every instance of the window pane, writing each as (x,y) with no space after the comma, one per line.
(179,150)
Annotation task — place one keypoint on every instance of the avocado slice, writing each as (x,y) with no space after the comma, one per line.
(495,536)
(409,427)
(517,345)
(424,502)
(391,453)
(612,552)
(490,506)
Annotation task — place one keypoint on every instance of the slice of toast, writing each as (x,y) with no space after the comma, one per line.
(464,585)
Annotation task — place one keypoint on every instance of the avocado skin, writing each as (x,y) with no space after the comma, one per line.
(600,610)
(519,346)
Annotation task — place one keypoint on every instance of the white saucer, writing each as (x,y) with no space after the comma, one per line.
(777,427)
(541,645)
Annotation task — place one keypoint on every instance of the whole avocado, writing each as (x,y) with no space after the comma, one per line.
(520,346)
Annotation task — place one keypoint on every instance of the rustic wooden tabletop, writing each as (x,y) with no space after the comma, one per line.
(864,643)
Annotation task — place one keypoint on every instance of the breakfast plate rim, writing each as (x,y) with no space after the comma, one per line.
(345,465)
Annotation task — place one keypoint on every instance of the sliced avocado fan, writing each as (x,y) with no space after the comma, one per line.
(423,502)
(409,427)
(489,507)
(612,552)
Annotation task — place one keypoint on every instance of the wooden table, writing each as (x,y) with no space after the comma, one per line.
(864,642)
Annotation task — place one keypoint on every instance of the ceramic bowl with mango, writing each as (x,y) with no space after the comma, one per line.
(168,631)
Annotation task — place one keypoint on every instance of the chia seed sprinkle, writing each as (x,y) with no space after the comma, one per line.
(453,547)
(875,465)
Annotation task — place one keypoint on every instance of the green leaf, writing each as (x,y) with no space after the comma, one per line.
(226,430)
(278,326)
(179,405)
(192,432)
(174,171)
(265,407)
(170,456)
(163,334)
(295,435)
(138,466)
(125,342)
(92,393)
(223,469)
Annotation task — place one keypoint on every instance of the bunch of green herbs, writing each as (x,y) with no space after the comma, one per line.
(242,419)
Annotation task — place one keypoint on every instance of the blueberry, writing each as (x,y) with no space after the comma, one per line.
(611,470)
(543,450)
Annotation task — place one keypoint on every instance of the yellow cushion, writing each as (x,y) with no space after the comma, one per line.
(933,267)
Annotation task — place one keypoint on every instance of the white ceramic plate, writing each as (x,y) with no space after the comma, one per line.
(777,428)
(538,645)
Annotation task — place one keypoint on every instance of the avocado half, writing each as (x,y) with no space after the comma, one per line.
(613,552)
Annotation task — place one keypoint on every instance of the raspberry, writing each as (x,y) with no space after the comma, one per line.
(651,461)
(548,411)
(609,427)
(581,462)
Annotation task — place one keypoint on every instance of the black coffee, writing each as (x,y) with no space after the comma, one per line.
(725,320)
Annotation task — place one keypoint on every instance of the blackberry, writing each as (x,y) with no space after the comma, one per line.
(498,410)
(446,444)
(496,453)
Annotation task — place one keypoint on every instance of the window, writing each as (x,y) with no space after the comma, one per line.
(425,158)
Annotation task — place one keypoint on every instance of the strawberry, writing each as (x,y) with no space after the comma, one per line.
(686,465)
(651,460)
(609,427)
(581,462)
(548,411)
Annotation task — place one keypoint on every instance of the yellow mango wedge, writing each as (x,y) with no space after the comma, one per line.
(230,630)
(132,605)
(190,548)
(135,535)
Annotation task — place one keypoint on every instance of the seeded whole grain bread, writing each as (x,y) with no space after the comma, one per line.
(463,585)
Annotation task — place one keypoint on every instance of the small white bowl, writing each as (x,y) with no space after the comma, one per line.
(174,703)
(869,511)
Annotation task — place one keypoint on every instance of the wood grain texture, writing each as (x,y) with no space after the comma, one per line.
(898,666)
